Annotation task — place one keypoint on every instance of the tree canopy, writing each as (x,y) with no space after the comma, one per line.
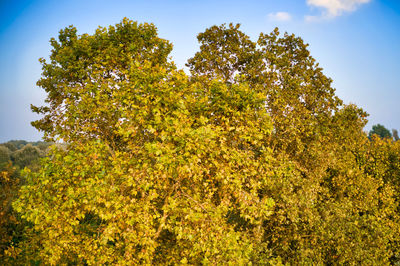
(251,158)
(380,131)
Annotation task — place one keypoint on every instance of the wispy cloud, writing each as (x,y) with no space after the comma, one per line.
(279,16)
(333,8)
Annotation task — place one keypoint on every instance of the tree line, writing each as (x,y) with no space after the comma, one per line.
(249,159)
(21,153)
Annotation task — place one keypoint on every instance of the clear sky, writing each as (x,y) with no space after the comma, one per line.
(357,42)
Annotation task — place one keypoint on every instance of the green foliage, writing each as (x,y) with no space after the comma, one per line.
(157,169)
(380,131)
(250,160)
(298,95)
(87,71)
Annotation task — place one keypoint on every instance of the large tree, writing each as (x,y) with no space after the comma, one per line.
(313,135)
(157,169)
(251,159)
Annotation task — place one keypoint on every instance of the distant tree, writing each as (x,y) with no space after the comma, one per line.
(26,156)
(380,130)
(18,144)
(4,156)
(43,146)
(11,146)
(395,134)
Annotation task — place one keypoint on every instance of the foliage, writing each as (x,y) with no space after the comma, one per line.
(251,159)
(4,157)
(14,145)
(14,230)
(11,228)
(380,130)
(22,153)
(318,203)
(26,156)
(161,170)
(383,161)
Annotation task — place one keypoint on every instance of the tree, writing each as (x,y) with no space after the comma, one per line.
(14,145)
(157,170)
(10,146)
(299,97)
(4,156)
(251,159)
(395,134)
(380,130)
(27,156)
(309,132)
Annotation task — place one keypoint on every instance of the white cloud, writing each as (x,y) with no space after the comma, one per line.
(334,8)
(280,16)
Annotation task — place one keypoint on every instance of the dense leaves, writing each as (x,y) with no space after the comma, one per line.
(15,155)
(4,157)
(250,159)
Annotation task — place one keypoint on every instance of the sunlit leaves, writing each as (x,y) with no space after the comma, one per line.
(251,159)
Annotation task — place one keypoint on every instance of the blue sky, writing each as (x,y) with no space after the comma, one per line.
(357,42)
